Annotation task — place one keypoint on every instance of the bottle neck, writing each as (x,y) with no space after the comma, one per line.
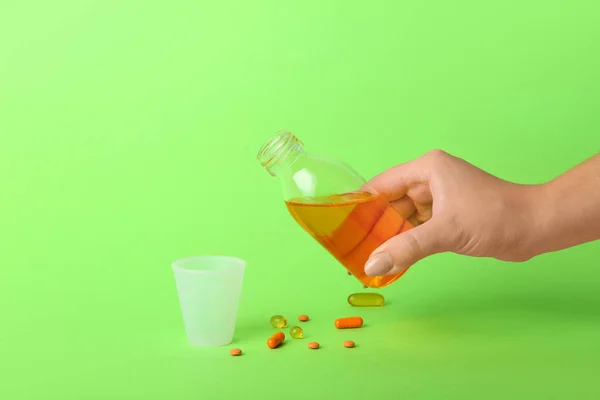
(280,152)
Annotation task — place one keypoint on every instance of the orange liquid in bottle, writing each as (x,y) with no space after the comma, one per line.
(350,226)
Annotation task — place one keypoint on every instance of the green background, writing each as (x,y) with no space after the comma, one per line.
(128,134)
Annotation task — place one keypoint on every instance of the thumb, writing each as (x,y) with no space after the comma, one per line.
(403,250)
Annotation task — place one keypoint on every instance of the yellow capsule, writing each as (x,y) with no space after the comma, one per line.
(365,300)
(278,321)
(296,332)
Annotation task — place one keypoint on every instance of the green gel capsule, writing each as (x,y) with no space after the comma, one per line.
(296,332)
(365,300)
(278,321)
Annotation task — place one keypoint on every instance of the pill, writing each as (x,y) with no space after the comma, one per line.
(366,300)
(296,332)
(313,345)
(349,343)
(303,318)
(350,322)
(235,352)
(275,340)
(278,321)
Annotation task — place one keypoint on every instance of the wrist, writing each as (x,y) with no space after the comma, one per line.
(526,221)
(539,232)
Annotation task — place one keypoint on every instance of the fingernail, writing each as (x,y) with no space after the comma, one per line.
(378,265)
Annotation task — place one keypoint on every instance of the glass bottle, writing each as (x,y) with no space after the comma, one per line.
(333,204)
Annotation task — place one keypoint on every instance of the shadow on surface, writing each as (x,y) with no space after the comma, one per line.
(249,332)
(585,306)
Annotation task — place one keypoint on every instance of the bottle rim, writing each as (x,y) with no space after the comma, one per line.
(277,148)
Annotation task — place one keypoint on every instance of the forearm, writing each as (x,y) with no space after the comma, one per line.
(568,209)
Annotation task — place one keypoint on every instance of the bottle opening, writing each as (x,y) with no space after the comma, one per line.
(277,149)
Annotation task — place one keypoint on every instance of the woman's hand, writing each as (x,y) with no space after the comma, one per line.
(459,208)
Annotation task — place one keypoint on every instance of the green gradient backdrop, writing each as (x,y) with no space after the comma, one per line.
(128,131)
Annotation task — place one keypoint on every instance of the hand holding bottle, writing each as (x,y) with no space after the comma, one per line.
(459,208)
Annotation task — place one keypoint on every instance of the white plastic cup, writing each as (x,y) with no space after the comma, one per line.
(209,289)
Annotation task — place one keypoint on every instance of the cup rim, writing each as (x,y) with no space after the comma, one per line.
(234,265)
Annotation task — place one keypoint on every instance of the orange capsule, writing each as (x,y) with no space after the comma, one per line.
(235,352)
(313,345)
(350,322)
(303,318)
(275,340)
(349,343)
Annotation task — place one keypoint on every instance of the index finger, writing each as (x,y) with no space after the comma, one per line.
(395,182)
